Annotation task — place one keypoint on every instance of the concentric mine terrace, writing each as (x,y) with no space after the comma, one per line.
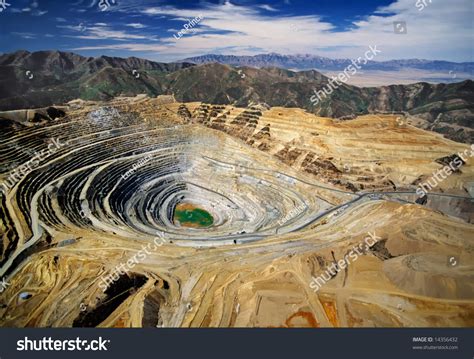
(221,216)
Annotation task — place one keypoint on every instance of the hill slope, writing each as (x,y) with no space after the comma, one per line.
(61,76)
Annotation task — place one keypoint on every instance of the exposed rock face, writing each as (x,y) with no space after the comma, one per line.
(454,161)
(164,99)
(28,117)
(422,200)
(279,184)
(55,113)
(287,144)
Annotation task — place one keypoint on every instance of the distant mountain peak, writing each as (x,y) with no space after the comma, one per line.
(308,61)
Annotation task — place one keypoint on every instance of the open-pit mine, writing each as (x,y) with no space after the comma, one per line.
(147,212)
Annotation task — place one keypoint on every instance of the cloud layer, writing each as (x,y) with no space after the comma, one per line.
(442,30)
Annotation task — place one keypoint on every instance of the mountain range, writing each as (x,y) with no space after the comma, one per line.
(306,62)
(39,79)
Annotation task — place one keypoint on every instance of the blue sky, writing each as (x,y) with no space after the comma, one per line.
(441,30)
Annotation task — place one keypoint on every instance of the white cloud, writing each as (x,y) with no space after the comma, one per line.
(32,9)
(38,13)
(100,32)
(267,7)
(25,35)
(443,30)
(136,25)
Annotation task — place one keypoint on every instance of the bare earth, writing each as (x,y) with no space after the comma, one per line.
(290,193)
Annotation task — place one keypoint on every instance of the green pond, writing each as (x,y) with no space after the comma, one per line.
(193,217)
